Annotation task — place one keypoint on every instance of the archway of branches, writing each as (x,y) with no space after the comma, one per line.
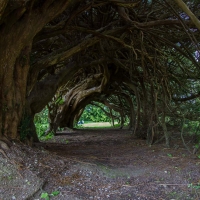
(135,62)
(139,58)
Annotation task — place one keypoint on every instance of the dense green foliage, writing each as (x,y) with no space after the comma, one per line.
(95,114)
(41,122)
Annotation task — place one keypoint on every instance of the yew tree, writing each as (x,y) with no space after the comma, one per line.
(20,22)
(139,58)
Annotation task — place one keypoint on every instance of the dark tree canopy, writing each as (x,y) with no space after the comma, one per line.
(139,58)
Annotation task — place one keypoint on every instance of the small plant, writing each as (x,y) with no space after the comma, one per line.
(47,137)
(170,155)
(46,196)
(67,141)
(194,186)
(55,193)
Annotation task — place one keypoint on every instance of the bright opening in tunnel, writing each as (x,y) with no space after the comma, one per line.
(98,115)
(95,115)
(41,122)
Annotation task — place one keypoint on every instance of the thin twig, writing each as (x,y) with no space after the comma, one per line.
(129,185)
(172,184)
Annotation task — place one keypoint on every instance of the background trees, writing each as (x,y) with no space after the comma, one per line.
(141,59)
(95,112)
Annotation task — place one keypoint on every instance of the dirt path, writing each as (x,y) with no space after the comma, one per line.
(110,164)
(129,168)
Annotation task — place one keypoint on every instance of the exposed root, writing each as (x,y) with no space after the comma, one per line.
(3,152)
(4,145)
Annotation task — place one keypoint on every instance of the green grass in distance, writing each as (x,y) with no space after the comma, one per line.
(96,125)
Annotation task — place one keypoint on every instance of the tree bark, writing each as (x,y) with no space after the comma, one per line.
(14,92)
(16,36)
(3,4)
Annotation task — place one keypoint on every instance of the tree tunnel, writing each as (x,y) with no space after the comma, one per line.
(140,59)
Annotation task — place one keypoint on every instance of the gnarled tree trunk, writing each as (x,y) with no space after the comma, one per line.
(17,30)
(14,76)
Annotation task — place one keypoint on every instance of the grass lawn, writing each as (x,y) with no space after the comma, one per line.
(96,125)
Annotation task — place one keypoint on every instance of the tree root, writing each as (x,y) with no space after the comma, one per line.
(4,154)
(3,147)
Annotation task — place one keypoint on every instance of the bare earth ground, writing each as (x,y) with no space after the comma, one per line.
(99,164)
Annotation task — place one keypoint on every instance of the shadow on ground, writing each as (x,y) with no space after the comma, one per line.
(133,169)
(103,164)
